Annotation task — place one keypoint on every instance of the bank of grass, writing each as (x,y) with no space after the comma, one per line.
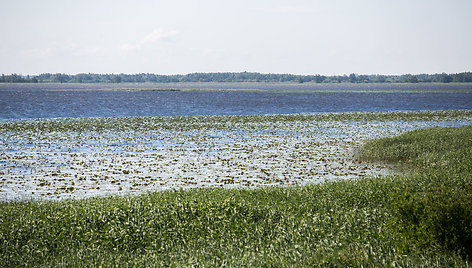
(370,222)
(433,207)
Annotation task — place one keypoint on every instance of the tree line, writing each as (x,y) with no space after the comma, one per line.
(464,77)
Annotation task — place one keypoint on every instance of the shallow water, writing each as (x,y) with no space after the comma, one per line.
(75,158)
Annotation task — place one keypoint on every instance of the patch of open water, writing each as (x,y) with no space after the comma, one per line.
(65,101)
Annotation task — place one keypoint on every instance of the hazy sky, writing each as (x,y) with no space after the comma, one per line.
(268,36)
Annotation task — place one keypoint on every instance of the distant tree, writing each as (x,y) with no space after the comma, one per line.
(462,77)
(363,79)
(381,78)
(61,78)
(413,79)
(116,79)
(445,78)
(352,78)
(465,77)
(319,78)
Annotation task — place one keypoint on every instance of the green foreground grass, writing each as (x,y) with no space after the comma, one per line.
(419,219)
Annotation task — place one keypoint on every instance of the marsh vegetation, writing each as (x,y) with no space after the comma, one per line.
(83,157)
(418,217)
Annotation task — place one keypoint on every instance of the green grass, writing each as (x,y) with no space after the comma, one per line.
(436,149)
(392,221)
(433,208)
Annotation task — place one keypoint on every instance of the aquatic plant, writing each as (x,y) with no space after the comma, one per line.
(378,221)
(44,158)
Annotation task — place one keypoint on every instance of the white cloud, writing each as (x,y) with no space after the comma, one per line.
(157,35)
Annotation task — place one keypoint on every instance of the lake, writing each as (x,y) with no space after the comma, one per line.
(82,140)
(100,100)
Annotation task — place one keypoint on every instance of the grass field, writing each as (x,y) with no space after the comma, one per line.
(422,218)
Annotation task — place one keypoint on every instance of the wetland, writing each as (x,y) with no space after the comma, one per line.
(235,174)
(84,157)
(82,140)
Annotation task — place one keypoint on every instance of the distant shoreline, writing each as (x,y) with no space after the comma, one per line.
(280,87)
(463,77)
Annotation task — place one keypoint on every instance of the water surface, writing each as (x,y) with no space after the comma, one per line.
(76,100)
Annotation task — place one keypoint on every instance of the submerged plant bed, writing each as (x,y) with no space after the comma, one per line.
(337,223)
(84,157)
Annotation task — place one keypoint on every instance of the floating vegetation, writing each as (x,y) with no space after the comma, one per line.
(82,157)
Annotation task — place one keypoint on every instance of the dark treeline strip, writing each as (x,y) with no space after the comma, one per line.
(465,77)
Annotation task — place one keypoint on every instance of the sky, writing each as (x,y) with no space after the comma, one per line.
(268,36)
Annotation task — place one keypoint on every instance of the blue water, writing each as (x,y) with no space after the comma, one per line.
(38,101)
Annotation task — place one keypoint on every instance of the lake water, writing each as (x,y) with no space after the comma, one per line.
(89,100)
(76,157)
